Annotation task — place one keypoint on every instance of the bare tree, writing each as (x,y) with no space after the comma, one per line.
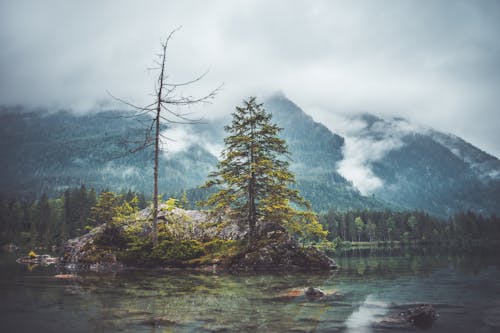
(166,108)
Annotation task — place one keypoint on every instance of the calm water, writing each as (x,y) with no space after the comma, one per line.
(465,290)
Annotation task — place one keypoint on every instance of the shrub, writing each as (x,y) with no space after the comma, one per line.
(113,236)
(218,245)
(175,251)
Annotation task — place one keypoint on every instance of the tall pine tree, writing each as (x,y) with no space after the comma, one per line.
(253,176)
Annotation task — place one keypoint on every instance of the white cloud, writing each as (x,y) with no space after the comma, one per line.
(366,143)
(179,138)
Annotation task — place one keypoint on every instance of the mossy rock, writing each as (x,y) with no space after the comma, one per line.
(281,253)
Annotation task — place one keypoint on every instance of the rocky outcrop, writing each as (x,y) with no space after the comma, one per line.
(76,249)
(277,251)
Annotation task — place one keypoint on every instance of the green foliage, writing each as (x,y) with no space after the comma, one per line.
(183,202)
(48,222)
(105,209)
(327,247)
(171,203)
(388,226)
(253,176)
(174,251)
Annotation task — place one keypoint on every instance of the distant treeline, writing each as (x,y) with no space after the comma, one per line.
(47,222)
(51,221)
(387,226)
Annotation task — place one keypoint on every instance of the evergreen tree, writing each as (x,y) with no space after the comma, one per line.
(360,225)
(43,209)
(105,209)
(253,175)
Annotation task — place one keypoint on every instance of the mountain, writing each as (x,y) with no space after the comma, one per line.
(420,168)
(372,163)
(315,153)
(51,151)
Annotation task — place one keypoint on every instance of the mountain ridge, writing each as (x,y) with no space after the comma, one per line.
(429,170)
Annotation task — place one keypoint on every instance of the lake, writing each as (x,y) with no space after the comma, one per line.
(463,287)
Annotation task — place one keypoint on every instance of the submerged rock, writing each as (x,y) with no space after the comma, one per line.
(422,316)
(314,293)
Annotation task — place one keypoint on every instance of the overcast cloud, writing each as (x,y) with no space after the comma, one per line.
(436,63)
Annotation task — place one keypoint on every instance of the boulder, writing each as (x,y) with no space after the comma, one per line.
(314,293)
(280,252)
(422,316)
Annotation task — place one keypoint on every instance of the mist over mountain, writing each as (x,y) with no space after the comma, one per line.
(369,162)
(420,168)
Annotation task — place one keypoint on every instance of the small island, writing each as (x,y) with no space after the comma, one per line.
(191,240)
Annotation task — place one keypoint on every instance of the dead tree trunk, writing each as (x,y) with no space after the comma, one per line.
(165,109)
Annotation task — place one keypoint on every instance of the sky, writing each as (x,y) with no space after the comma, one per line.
(436,63)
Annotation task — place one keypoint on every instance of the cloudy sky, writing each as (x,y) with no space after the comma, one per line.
(436,63)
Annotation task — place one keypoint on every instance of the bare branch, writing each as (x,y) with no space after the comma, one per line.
(187,82)
(145,108)
(182,101)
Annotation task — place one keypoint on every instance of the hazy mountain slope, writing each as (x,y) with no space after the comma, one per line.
(410,167)
(48,152)
(315,154)
(429,170)
(483,164)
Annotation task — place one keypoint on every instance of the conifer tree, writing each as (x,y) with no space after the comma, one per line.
(105,209)
(253,176)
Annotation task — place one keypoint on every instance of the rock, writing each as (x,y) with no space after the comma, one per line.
(270,230)
(422,316)
(74,249)
(43,259)
(314,293)
(281,253)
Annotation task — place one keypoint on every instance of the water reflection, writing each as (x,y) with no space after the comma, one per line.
(465,290)
(362,319)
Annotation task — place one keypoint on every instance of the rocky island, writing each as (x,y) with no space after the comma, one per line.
(191,240)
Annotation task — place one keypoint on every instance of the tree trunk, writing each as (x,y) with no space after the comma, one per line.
(252,214)
(157,148)
(155,191)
